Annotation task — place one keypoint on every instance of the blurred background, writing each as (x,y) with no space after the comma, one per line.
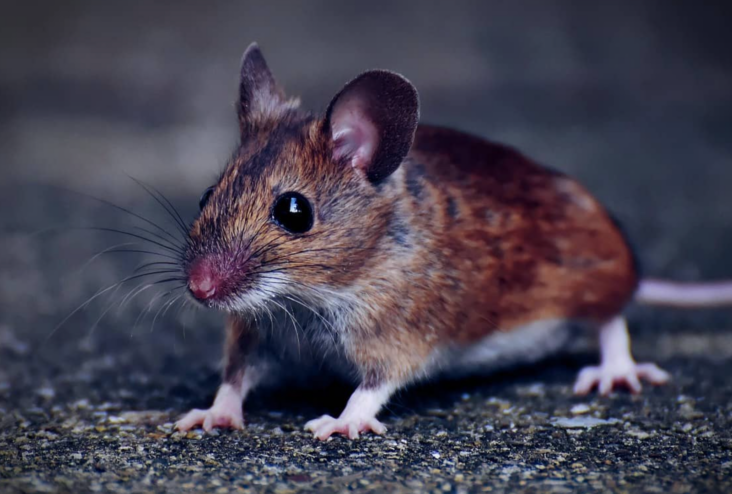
(633,98)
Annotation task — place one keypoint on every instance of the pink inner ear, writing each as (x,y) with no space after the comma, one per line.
(354,135)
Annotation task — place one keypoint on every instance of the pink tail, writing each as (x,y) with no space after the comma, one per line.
(684,295)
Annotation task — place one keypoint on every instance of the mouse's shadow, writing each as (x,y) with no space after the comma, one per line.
(328,394)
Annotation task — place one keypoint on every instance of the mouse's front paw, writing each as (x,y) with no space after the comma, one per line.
(608,376)
(325,426)
(225,412)
(210,418)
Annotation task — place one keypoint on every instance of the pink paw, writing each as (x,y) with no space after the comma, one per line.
(225,412)
(210,418)
(325,426)
(608,377)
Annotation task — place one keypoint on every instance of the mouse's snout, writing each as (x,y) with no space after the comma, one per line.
(203,280)
(216,275)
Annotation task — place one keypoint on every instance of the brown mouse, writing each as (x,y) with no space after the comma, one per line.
(397,251)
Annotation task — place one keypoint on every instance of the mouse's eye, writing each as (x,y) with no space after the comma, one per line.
(204,197)
(293,212)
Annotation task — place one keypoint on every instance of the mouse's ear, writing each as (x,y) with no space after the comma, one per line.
(259,93)
(372,121)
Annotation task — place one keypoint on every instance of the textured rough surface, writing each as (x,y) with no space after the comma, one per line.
(110,429)
(635,101)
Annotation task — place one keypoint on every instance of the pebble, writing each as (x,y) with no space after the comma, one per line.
(582,422)
(580,408)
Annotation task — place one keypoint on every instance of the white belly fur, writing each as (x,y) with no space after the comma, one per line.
(503,349)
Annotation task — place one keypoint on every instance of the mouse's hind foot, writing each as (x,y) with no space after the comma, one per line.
(608,377)
(617,367)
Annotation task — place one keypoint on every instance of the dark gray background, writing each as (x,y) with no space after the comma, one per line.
(633,98)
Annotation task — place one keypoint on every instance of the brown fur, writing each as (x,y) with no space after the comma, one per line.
(465,238)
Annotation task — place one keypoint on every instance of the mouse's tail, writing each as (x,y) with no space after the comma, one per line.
(684,295)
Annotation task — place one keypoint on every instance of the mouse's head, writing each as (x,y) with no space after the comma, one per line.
(302,207)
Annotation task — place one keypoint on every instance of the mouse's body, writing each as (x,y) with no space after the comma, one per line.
(489,242)
(502,242)
(394,251)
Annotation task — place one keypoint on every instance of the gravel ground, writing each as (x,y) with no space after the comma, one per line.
(106,425)
(635,101)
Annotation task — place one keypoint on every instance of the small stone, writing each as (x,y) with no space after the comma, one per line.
(536,389)
(581,422)
(639,434)
(687,411)
(46,392)
(81,404)
(579,409)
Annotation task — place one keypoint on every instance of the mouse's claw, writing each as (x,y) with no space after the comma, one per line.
(325,426)
(608,377)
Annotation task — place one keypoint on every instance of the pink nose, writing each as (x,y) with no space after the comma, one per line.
(202,281)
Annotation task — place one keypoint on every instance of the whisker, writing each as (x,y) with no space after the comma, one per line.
(163,271)
(67,228)
(172,211)
(271,319)
(95,296)
(123,232)
(293,282)
(328,249)
(120,208)
(128,298)
(285,268)
(81,269)
(109,307)
(154,263)
(169,280)
(152,301)
(177,246)
(295,324)
(269,245)
(174,301)
(181,221)
(286,263)
(253,237)
(284,258)
(164,307)
(146,309)
(104,313)
(141,251)
(324,320)
(186,308)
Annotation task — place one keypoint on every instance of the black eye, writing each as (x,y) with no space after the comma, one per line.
(204,197)
(293,212)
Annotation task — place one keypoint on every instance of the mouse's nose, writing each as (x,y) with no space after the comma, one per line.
(202,280)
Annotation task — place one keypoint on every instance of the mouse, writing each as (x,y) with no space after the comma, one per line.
(396,251)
